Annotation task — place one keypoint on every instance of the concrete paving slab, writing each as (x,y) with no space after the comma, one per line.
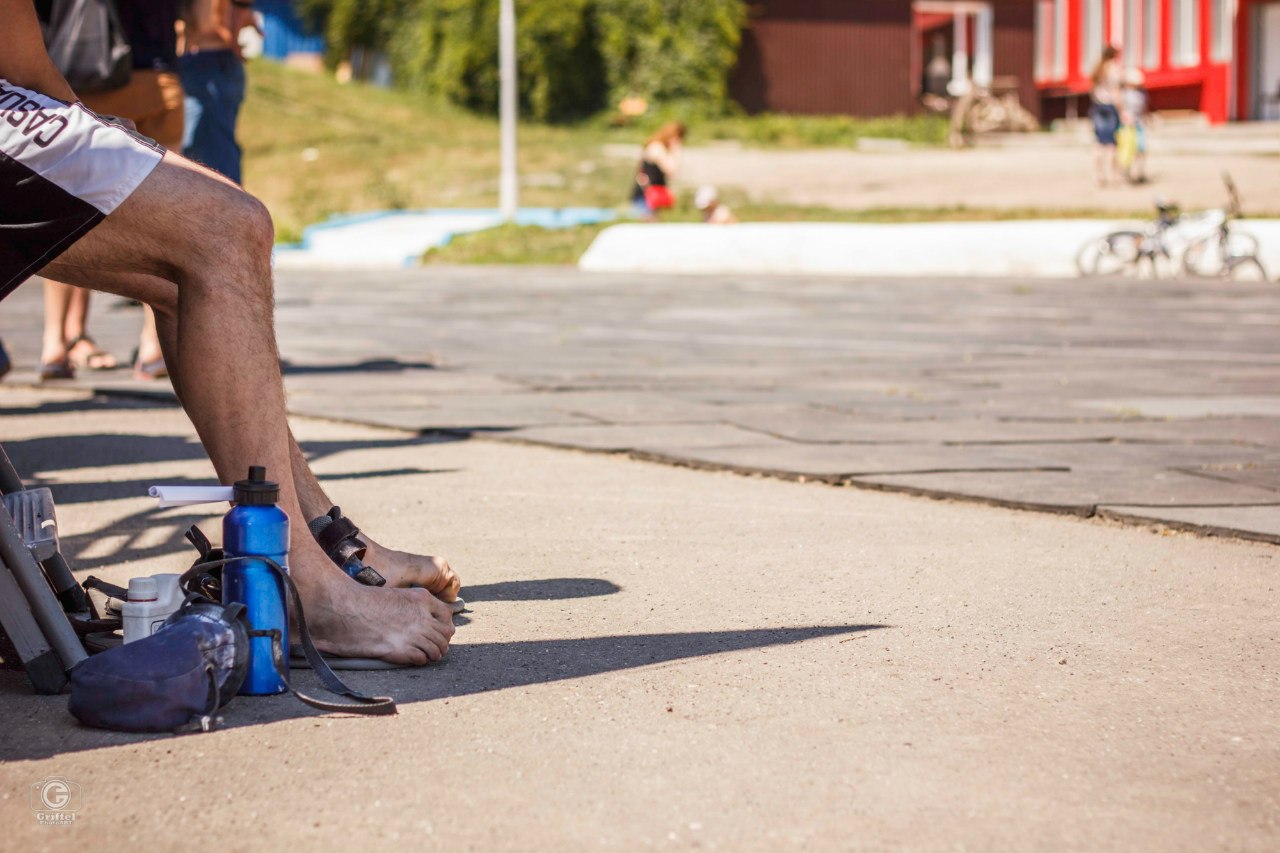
(675,439)
(660,658)
(1082,492)
(1261,522)
(930,374)
(1191,407)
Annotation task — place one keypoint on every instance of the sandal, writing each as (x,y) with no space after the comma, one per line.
(146,371)
(55,370)
(339,538)
(340,541)
(95,359)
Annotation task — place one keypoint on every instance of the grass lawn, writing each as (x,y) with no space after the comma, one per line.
(514,244)
(314,148)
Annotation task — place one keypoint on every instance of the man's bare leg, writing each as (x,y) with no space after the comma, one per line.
(400,568)
(213,243)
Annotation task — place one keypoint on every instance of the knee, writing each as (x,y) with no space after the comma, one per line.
(237,243)
(253,228)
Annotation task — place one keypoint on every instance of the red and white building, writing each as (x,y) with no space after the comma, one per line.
(1220,57)
(869,57)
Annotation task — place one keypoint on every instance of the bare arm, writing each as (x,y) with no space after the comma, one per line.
(24,61)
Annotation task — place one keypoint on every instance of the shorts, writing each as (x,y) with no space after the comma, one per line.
(1106,121)
(152,100)
(63,169)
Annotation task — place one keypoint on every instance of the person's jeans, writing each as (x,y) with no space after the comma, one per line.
(214,83)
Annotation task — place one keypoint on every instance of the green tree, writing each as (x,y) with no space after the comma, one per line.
(671,50)
(575,56)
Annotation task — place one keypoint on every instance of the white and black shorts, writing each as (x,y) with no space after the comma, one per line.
(63,169)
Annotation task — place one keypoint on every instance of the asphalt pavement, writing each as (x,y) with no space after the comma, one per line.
(660,658)
(1148,401)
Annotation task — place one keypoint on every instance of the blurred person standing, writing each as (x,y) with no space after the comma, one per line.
(1105,113)
(659,163)
(152,100)
(1133,112)
(214,79)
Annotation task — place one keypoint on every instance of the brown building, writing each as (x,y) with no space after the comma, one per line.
(869,57)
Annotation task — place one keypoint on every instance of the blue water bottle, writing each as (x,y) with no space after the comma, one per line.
(257,527)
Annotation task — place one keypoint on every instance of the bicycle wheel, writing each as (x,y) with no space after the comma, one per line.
(1220,254)
(1115,254)
(1204,257)
(1247,269)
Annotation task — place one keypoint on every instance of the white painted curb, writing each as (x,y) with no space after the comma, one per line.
(1033,248)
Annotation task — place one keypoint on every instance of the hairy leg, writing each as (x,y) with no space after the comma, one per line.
(401,569)
(198,250)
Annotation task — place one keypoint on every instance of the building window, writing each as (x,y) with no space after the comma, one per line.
(1223,19)
(1151,22)
(1091,36)
(1185,49)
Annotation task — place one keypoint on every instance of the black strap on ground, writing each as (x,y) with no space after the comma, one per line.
(362,703)
(108,589)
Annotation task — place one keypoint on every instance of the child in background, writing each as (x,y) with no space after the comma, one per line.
(707,200)
(1133,112)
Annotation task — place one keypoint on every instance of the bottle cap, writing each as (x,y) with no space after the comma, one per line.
(142,589)
(257,490)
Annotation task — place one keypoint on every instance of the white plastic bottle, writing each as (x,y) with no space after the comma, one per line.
(151,601)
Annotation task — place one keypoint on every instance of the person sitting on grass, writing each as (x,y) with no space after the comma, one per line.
(86,200)
(714,211)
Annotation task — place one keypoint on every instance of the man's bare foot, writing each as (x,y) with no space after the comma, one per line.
(405,626)
(402,569)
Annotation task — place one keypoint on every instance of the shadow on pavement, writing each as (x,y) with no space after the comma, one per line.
(372,365)
(101,403)
(35,456)
(551,589)
(40,727)
(152,532)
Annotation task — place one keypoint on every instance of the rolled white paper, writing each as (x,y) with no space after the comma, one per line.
(190,495)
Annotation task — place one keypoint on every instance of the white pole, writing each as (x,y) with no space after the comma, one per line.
(983,48)
(960,54)
(509,183)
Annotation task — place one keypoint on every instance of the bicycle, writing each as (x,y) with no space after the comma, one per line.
(1126,251)
(1197,244)
(1225,253)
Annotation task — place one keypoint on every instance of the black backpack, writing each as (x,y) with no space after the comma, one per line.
(88,45)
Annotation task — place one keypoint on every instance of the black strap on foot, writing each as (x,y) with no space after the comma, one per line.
(340,539)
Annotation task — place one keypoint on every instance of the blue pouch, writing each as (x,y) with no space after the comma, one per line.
(174,680)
